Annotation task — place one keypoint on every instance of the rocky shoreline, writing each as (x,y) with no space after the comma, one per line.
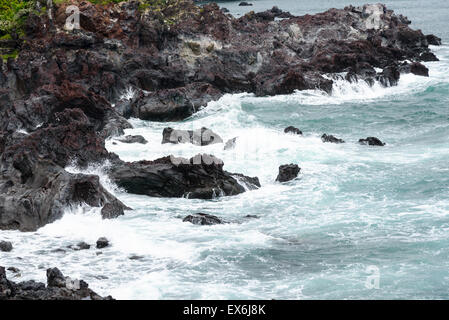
(58,287)
(68,91)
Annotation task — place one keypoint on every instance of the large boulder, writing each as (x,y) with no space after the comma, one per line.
(200,177)
(288,172)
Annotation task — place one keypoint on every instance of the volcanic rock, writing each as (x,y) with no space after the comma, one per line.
(372,141)
(102,243)
(64,93)
(331,138)
(133,139)
(58,287)
(230,144)
(202,219)
(288,172)
(200,177)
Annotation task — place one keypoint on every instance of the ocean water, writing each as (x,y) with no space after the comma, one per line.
(359,223)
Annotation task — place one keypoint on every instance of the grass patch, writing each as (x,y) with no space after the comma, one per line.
(13,55)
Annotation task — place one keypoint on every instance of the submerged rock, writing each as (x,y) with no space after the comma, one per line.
(202,219)
(201,137)
(372,141)
(293,130)
(80,246)
(58,287)
(13,269)
(133,139)
(201,177)
(288,172)
(5,246)
(251,216)
(136,257)
(331,139)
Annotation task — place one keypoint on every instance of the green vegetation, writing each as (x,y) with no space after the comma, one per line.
(13,14)
(13,55)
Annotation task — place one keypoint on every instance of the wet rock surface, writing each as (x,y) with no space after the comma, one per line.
(288,172)
(331,139)
(6,246)
(80,246)
(292,130)
(203,219)
(58,287)
(372,141)
(200,177)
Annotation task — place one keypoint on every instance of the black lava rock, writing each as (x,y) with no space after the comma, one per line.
(202,219)
(102,243)
(372,141)
(331,139)
(288,172)
(5,246)
(293,130)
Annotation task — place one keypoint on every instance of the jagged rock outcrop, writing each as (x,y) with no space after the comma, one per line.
(133,139)
(288,172)
(201,177)
(5,246)
(34,187)
(177,67)
(58,287)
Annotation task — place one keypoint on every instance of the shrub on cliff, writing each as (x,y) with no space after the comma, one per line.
(13,13)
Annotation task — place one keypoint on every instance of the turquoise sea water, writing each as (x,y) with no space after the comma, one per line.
(354,209)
